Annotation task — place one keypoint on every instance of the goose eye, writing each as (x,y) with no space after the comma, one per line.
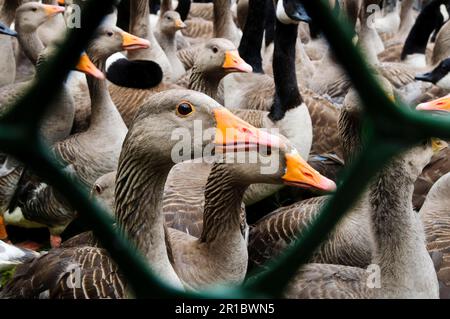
(98,189)
(215,49)
(185,108)
(34,9)
(110,34)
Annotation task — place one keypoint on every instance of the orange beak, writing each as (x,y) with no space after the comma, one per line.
(234,63)
(3,233)
(86,66)
(180,24)
(300,173)
(61,2)
(51,10)
(234,134)
(442,104)
(131,42)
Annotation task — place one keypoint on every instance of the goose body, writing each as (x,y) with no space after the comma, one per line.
(87,155)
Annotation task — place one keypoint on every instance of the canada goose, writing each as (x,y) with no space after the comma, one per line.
(7,63)
(169,23)
(147,165)
(402,265)
(11,256)
(90,154)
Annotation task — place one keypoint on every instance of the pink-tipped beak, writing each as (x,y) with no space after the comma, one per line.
(441,104)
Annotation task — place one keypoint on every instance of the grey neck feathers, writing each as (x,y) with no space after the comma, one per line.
(103,109)
(139,190)
(201,82)
(31,44)
(223,20)
(399,240)
(8,11)
(166,5)
(140,26)
(349,126)
(223,199)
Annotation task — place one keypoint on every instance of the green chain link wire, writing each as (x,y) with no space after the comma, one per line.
(390,129)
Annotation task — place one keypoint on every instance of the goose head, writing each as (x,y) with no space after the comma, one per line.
(7,31)
(111,39)
(178,125)
(439,76)
(440,105)
(291,12)
(171,22)
(219,57)
(283,165)
(30,16)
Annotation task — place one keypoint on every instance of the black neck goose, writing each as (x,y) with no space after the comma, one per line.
(142,171)
(90,154)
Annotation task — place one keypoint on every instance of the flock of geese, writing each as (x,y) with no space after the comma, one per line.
(245,68)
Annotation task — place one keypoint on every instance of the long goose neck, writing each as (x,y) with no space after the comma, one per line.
(223,199)
(406,16)
(140,26)
(399,241)
(417,39)
(287,95)
(30,43)
(367,35)
(103,110)
(349,126)
(139,192)
(252,37)
(166,5)
(8,11)
(223,20)
(201,82)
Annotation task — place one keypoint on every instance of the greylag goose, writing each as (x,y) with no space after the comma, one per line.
(143,168)
(58,121)
(54,28)
(168,25)
(402,267)
(349,244)
(90,154)
(435,215)
(7,63)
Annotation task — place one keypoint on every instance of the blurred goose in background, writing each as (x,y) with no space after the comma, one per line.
(57,123)
(7,62)
(54,28)
(86,155)
(143,168)
(403,263)
(11,256)
(168,25)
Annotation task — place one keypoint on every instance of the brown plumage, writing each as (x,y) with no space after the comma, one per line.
(436,219)
(129,100)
